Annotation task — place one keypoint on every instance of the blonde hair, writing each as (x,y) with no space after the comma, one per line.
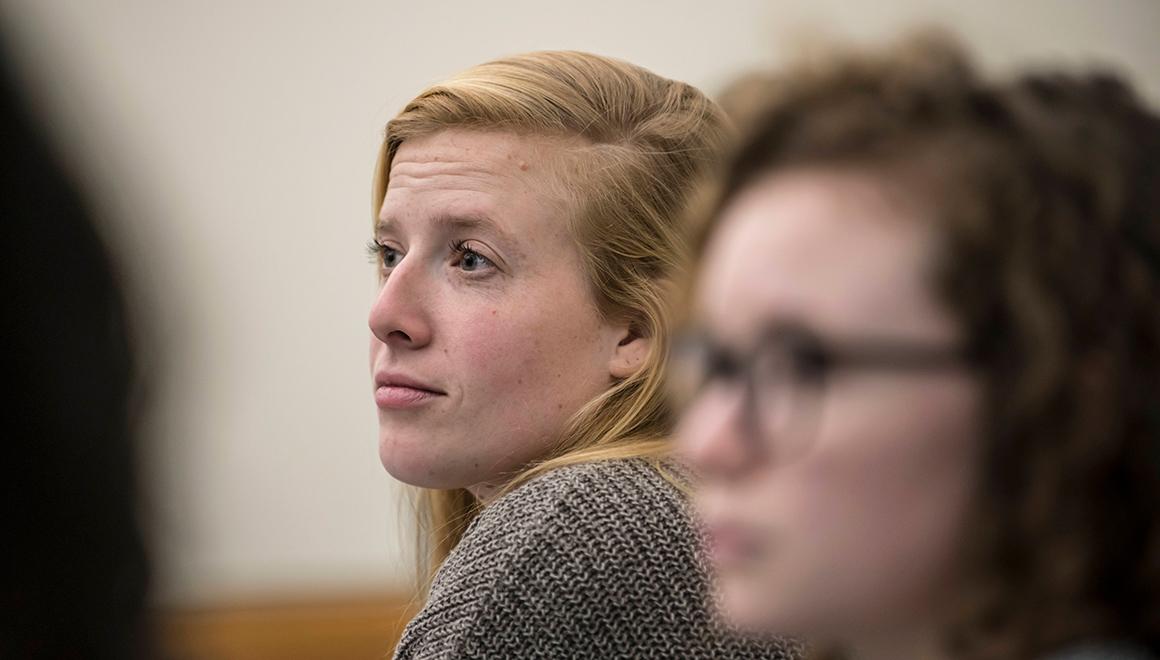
(645,141)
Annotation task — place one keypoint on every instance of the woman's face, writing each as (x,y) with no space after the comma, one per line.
(841,515)
(485,336)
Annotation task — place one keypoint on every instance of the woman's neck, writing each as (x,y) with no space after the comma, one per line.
(916,644)
(484,492)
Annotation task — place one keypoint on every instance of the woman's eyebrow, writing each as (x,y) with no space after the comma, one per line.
(452,222)
(472,222)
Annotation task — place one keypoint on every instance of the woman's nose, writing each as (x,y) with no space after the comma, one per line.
(400,316)
(711,435)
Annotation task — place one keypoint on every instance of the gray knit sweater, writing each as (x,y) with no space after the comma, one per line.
(599,560)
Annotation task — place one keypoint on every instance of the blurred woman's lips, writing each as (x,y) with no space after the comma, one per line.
(730,545)
(395,391)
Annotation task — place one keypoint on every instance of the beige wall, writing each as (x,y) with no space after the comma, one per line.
(233,139)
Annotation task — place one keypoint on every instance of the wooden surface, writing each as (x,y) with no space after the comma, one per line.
(333,628)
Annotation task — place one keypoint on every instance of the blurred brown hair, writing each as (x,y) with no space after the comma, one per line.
(1046,194)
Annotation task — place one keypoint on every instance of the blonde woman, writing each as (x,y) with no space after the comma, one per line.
(526,225)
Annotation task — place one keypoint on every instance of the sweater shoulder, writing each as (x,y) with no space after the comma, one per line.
(596,560)
(599,521)
(608,494)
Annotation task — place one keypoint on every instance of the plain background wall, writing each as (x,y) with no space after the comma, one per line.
(232,141)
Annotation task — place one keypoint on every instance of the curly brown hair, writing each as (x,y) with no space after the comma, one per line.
(1046,193)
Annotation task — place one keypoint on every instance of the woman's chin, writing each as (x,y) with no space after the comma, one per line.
(407,465)
(419,466)
(746,608)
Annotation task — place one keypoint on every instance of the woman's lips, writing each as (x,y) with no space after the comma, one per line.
(731,545)
(397,390)
(399,397)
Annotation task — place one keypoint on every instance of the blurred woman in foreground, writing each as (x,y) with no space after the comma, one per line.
(923,374)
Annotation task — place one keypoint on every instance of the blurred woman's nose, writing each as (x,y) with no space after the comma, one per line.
(400,316)
(712,436)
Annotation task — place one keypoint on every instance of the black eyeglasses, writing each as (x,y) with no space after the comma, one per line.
(785,376)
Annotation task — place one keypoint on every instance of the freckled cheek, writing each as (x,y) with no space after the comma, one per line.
(497,356)
(507,357)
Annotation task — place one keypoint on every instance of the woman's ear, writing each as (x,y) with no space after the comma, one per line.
(629,354)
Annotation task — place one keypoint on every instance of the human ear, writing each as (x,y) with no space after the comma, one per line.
(629,354)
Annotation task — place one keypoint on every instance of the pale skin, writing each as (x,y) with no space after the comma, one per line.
(854,541)
(485,334)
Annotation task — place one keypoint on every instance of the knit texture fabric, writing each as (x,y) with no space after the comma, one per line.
(599,560)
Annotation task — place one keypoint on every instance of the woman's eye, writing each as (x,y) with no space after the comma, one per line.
(810,365)
(391,257)
(384,254)
(473,261)
(470,260)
